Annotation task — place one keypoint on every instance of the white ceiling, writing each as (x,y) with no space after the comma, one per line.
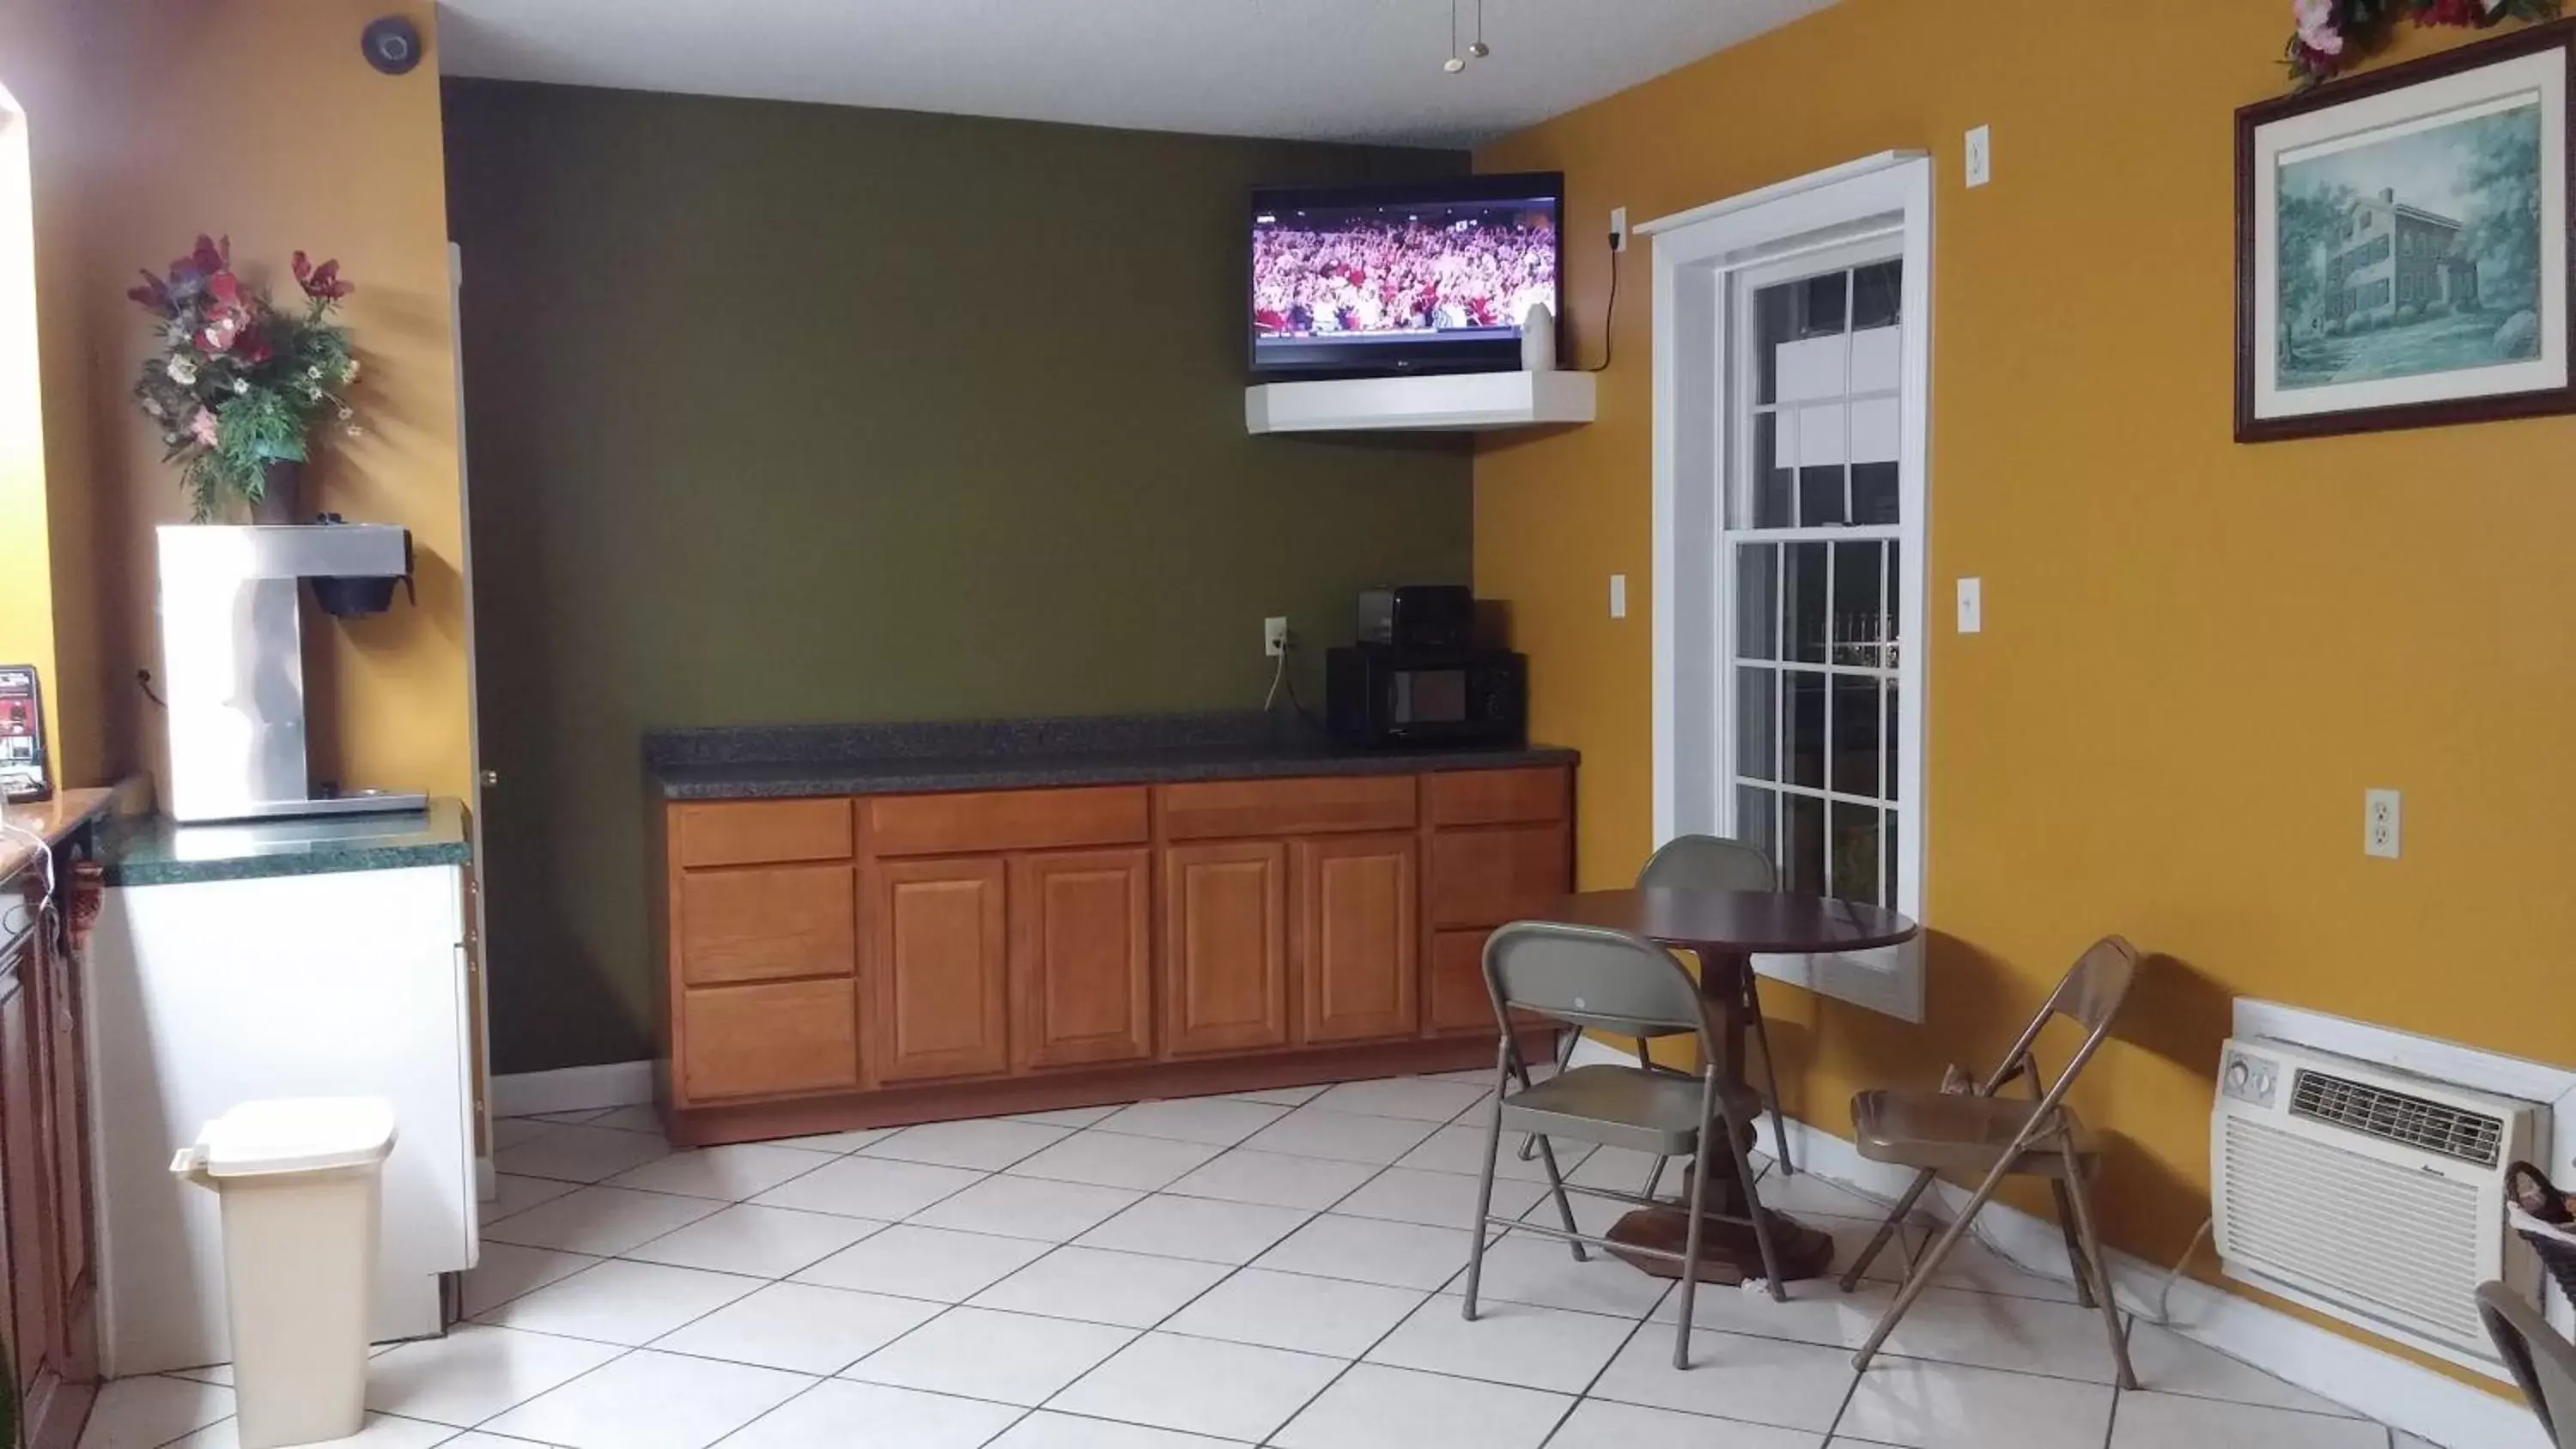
(1339,70)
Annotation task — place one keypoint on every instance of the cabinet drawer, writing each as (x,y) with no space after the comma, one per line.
(767,922)
(788,1036)
(991,820)
(1493,874)
(1458,1004)
(1495,797)
(761,832)
(1329,804)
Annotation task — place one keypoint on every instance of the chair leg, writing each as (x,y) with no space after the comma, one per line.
(1895,1223)
(1485,1186)
(1770,1077)
(2080,1193)
(1694,1202)
(1753,1209)
(1556,1185)
(1565,1041)
(1921,1277)
(1655,1170)
(2074,1242)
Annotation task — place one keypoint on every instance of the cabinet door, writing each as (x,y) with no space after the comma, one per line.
(67,1106)
(938,968)
(1487,876)
(1357,945)
(1082,975)
(1225,947)
(23,1177)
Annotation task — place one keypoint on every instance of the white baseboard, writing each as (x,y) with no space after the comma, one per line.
(2431,1406)
(573,1089)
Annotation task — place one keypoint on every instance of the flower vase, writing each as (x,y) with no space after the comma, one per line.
(281,492)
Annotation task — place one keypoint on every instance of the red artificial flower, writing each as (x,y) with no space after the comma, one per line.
(321,283)
(225,288)
(2452,12)
(211,256)
(154,293)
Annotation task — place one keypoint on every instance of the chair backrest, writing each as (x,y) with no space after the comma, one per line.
(1706,863)
(1591,977)
(2090,994)
(2542,1362)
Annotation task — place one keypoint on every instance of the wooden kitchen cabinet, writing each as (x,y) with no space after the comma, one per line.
(1225,947)
(938,967)
(1357,944)
(874,960)
(1082,957)
(51,1283)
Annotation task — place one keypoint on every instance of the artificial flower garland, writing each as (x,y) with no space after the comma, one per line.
(2333,34)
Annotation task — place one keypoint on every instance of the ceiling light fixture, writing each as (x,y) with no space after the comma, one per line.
(1479,50)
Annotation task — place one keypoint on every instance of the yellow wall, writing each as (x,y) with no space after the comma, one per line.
(49,612)
(265,122)
(26,566)
(2196,655)
(153,122)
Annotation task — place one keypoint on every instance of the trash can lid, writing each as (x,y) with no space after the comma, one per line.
(298,1134)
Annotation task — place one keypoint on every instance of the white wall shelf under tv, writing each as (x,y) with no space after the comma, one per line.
(1451,402)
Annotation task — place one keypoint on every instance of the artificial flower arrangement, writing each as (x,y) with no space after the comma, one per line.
(2333,34)
(238,384)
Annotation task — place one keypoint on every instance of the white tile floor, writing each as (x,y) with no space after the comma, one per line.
(1277,1268)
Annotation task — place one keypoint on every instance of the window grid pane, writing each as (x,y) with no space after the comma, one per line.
(1818,627)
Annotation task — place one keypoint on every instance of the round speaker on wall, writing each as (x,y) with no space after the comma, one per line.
(392,45)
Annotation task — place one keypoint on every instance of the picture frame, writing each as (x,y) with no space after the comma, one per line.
(2403,254)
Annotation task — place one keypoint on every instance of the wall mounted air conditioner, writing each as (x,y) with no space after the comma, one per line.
(2374,1195)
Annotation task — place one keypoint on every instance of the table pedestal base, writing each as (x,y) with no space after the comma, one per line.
(1728,1252)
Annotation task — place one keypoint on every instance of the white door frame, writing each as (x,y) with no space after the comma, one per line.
(1697,253)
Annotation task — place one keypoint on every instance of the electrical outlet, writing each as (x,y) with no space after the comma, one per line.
(1274,636)
(1981,156)
(2380,818)
(1618,228)
(1618,596)
(1972,606)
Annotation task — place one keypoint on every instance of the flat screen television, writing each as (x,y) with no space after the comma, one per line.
(1381,281)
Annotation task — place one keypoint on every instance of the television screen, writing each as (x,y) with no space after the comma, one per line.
(1431,278)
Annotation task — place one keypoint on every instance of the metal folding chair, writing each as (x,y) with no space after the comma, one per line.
(1709,863)
(2542,1363)
(1713,863)
(1998,1137)
(1603,980)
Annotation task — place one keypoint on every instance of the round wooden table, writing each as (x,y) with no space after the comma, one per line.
(1725,930)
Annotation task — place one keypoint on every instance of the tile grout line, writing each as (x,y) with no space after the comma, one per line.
(1378,1171)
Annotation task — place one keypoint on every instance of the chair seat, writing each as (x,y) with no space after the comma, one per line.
(1951,1132)
(1619,1106)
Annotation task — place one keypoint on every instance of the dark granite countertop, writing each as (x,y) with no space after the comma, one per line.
(155,850)
(772,762)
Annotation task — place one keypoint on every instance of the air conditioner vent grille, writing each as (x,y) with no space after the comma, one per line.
(2435,1127)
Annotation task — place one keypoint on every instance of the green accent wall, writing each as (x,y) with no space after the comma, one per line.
(783,413)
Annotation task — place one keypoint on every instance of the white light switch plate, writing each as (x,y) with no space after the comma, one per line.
(1972,606)
(1981,156)
(2380,819)
(1618,596)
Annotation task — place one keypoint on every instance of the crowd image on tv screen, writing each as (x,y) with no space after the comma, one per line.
(1363,274)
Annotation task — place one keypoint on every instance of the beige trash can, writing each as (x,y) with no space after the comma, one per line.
(301,1183)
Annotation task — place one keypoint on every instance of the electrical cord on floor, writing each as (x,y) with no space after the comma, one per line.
(2164,1293)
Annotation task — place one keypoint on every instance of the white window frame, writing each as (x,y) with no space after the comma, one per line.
(1696,256)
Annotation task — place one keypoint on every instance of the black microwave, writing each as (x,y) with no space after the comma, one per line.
(1378,698)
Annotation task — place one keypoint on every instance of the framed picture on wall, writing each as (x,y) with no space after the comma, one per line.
(2402,255)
